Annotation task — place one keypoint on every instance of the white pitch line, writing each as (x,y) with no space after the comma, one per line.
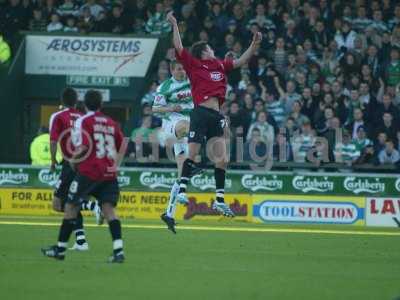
(224,228)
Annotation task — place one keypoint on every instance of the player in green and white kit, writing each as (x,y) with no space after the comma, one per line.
(172,103)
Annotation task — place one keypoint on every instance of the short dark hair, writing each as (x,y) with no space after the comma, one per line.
(69,97)
(198,48)
(93,100)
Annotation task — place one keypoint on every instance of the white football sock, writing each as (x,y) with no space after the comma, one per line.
(171,208)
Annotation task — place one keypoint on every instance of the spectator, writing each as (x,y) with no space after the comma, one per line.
(296,114)
(372,60)
(86,20)
(393,69)
(55,24)
(346,151)
(149,96)
(396,18)
(388,127)
(275,108)
(389,155)
(377,23)
(322,117)
(219,17)
(279,56)
(356,123)
(236,120)
(345,37)
(5,51)
(320,36)
(361,141)
(362,21)
(367,156)
(147,112)
(331,135)
(117,23)
(67,8)
(289,96)
(282,150)
(261,20)
(255,147)
(309,104)
(94,9)
(380,142)
(387,106)
(38,23)
(70,26)
(157,23)
(266,129)
(303,143)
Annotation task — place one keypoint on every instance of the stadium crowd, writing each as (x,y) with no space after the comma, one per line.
(322,66)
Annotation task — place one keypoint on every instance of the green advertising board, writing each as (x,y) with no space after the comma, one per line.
(143,179)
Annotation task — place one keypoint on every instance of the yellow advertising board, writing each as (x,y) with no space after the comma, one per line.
(309,209)
(140,205)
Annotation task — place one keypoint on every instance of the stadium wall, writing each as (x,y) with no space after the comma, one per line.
(276,198)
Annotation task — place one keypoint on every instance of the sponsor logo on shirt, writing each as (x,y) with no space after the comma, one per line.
(216,76)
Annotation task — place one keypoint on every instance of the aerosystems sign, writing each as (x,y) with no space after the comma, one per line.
(308,209)
(383,212)
(89,56)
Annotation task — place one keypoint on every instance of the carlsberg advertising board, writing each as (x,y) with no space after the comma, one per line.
(245,182)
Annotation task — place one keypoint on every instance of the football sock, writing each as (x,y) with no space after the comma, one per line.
(66,228)
(171,208)
(219,175)
(115,230)
(88,205)
(188,165)
(79,231)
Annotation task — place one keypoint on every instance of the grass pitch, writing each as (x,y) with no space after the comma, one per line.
(239,262)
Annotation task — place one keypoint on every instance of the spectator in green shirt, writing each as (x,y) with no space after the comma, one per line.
(346,151)
(393,70)
(157,23)
(361,141)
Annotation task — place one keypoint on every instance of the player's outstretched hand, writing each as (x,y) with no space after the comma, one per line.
(171,18)
(257,38)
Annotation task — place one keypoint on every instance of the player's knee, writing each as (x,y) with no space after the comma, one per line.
(108,212)
(182,129)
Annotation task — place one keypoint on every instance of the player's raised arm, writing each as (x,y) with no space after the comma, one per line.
(176,35)
(257,37)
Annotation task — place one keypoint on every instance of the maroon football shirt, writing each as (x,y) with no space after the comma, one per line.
(207,77)
(103,138)
(61,124)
